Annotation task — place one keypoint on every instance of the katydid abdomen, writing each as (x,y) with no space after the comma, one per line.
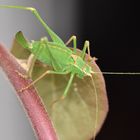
(51,55)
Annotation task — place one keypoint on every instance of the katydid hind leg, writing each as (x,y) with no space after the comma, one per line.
(52,34)
(74,40)
(40,77)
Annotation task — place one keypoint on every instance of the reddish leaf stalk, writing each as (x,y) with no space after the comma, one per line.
(30,100)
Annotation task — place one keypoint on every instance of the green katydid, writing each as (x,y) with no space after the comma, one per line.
(55,53)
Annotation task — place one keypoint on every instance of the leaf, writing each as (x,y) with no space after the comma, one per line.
(74,117)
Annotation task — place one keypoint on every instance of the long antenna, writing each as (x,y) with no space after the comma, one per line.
(96,110)
(118,73)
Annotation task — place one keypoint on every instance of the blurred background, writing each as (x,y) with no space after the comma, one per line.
(112,29)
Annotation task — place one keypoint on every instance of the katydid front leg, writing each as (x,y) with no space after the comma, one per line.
(86,47)
(74,40)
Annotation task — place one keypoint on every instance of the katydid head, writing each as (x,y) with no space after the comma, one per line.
(87,70)
(80,67)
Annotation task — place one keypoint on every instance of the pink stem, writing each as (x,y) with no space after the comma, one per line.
(30,100)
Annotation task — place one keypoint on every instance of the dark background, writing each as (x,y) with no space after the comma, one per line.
(112,28)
